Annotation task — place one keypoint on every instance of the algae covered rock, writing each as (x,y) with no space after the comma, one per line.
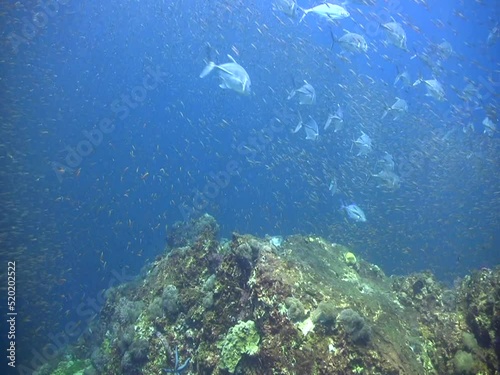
(249,307)
(241,339)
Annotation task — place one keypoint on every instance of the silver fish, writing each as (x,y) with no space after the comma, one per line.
(399,107)
(395,34)
(233,76)
(389,179)
(306,94)
(364,142)
(404,78)
(288,7)
(386,162)
(333,186)
(354,212)
(353,42)
(337,119)
(489,127)
(311,128)
(327,10)
(444,50)
(434,88)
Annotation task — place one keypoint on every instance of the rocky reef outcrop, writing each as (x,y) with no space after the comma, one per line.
(299,306)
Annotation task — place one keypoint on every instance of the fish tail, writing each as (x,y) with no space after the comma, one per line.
(305,13)
(206,71)
(333,39)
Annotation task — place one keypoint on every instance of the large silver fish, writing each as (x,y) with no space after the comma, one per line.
(306,94)
(489,127)
(353,42)
(327,10)
(388,179)
(311,128)
(404,78)
(233,76)
(354,212)
(434,88)
(364,143)
(398,108)
(395,34)
(289,7)
(337,119)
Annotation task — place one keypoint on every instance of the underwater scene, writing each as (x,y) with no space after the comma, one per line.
(250,187)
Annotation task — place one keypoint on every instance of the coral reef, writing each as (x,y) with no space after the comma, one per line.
(307,306)
(241,339)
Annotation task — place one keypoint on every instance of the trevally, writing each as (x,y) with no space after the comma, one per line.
(289,7)
(434,88)
(404,78)
(489,127)
(388,178)
(306,94)
(327,10)
(399,107)
(311,128)
(364,142)
(395,34)
(353,42)
(337,119)
(233,76)
(386,162)
(354,212)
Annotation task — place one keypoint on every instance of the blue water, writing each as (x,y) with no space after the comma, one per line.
(77,207)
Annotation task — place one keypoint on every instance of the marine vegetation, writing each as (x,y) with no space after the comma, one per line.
(308,306)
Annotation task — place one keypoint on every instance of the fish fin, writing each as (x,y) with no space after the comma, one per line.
(305,13)
(385,114)
(333,39)
(224,70)
(206,71)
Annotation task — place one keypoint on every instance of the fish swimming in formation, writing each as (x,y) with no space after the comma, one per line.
(404,78)
(306,94)
(353,42)
(443,50)
(398,108)
(364,142)
(337,119)
(386,162)
(389,179)
(395,34)
(489,127)
(354,212)
(233,76)
(333,188)
(434,88)
(311,128)
(288,7)
(327,10)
